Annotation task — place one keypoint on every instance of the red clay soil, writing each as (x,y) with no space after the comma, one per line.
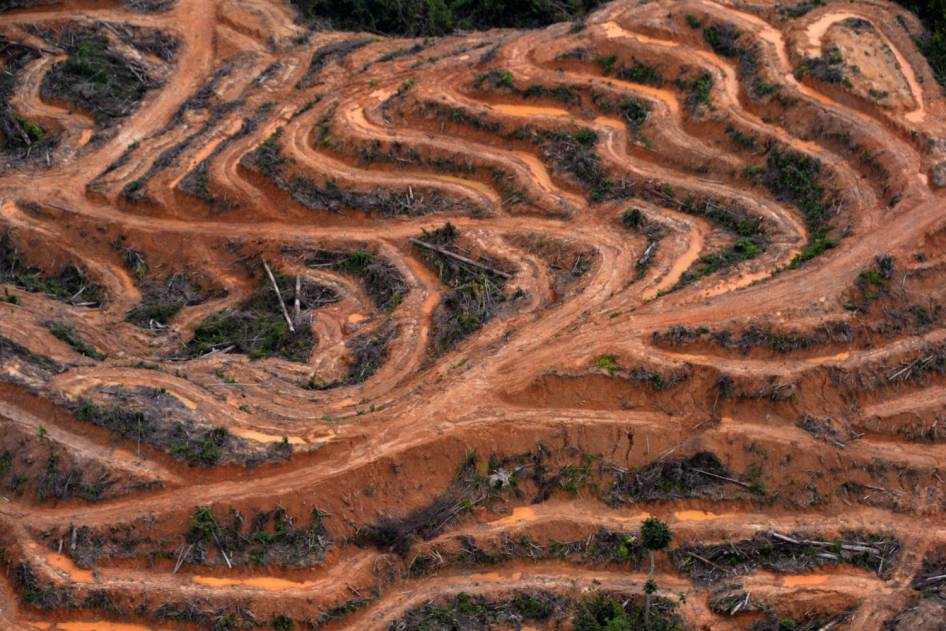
(630,315)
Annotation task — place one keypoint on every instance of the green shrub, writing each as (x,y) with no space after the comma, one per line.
(64,332)
(97,79)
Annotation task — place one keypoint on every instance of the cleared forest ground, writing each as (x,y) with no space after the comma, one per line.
(311,329)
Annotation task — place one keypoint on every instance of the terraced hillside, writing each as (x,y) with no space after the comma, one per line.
(308,329)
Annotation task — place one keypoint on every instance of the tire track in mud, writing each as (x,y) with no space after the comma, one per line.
(535,374)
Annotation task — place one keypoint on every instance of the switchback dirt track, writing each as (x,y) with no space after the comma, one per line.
(681,259)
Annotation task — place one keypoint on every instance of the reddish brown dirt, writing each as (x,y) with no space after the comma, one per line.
(600,359)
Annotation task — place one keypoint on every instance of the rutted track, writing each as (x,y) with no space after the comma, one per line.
(629,282)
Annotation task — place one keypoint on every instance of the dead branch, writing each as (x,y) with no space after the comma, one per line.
(282,303)
(462,259)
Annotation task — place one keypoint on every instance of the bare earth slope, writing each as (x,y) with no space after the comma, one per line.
(309,329)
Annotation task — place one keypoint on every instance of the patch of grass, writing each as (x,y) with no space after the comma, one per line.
(71,285)
(64,332)
(257,327)
(829,68)
(606,63)
(640,72)
(608,362)
(98,80)
(613,612)
(794,178)
(473,297)
(740,139)
(574,154)
(726,40)
(698,90)
(161,301)
(503,80)
(741,250)
(383,282)
(633,111)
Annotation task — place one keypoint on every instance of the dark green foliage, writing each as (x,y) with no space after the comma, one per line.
(634,111)
(751,239)
(256,327)
(606,63)
(267,159)
(97,79)
(741,250)
(473,613)
(759,337)
(772,622)
(64,332)
(415,18)
(71,285)
(336,612)
(734,219)
(723,39)
(459,115)
(604,546)
(634,219)
(655,534)
(829,68)
(575,155)
(615,612)
(933,43)
(740,139)
(410,203)
(726,40)
(871,284)
(503,80)
(794,178)
(640,72)
(698,90)
(61,483)
(270,538)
